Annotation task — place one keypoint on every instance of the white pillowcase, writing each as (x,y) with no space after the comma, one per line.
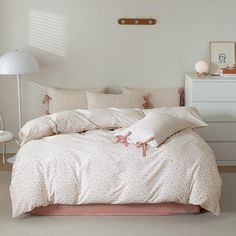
(68,99)
(130,100)
(37,128)
(154,129)
(157,126)
(168,97)
(188,114)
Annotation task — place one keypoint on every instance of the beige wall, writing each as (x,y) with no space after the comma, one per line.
(79,44)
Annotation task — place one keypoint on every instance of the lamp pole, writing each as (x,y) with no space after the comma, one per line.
(19,101)
(18,63)
(4,145)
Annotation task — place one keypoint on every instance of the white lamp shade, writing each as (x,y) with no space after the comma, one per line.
(201,67)
(18,63)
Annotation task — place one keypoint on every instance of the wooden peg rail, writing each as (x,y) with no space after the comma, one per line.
(137,21)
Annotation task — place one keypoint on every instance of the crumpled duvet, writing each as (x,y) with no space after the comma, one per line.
(71,158)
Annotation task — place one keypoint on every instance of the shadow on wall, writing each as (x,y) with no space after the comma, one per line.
(47,31)
(32,99)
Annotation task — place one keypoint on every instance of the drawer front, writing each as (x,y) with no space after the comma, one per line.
(219,132)
(214,91)
(216,111)
(224,151)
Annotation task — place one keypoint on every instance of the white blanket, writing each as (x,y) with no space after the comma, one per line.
(84,168)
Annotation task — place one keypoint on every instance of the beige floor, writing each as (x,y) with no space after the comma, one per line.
(205,224)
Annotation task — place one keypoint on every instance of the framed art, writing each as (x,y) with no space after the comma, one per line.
(221,55)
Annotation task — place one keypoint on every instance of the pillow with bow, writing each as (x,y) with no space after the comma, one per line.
(153,130)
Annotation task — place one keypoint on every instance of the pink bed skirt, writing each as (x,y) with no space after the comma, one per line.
(162,209)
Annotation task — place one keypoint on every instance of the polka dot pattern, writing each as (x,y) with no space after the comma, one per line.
(131,100)
(169,97)
(88,167)
(68,99)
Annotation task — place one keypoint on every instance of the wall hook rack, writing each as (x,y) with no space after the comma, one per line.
(137,21)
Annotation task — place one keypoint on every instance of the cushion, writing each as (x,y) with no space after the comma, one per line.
(169,97)
(188,114)
(113,118)
(67,99)
(129,100)
(37,128)
(154,129)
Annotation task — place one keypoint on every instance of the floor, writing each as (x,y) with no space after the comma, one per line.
(204,224)
(7,166)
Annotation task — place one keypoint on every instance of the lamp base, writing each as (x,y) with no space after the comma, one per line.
(201,74)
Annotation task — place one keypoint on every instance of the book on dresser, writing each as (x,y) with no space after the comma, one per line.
(215,99)
(228,73)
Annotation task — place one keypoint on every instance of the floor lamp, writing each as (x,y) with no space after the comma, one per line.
(18,63)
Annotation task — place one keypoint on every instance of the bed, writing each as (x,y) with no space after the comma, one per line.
(76,163)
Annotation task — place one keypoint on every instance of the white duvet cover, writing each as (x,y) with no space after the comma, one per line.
(71,158)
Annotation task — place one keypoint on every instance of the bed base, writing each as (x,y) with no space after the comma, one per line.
(162,209)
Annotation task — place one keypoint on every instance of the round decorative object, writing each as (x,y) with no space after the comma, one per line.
(202,68)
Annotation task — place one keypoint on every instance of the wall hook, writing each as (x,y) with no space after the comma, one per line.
(137,21)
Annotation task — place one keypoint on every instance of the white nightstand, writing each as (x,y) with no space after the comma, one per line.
(5,137)
(215,99)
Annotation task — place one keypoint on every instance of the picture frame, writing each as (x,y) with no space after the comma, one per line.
(221,55)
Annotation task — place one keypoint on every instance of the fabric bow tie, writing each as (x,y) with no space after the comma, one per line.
(123,139)
(144,145)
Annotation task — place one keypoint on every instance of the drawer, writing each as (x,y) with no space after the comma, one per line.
(216,111)
(224,151)
(219,132)
(214,91)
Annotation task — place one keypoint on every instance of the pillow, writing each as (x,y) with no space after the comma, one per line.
(72,121)
(188,114)
(153,130)
(169,97)
(130,100)
(67,99)
(37,128)
(113,118)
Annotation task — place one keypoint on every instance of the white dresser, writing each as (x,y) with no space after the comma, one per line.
(215,99)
